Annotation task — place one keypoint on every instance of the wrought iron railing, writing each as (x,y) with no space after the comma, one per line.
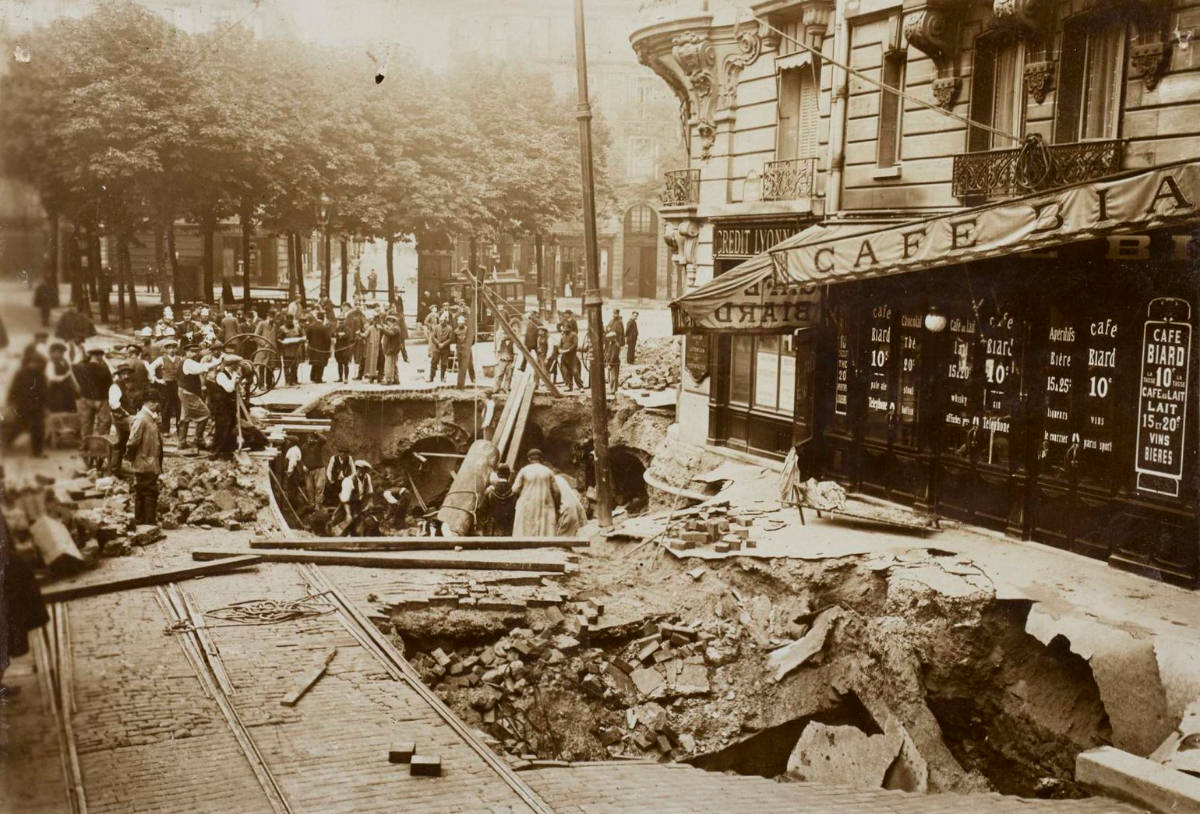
(1032,167)
(682,188)
(789,180)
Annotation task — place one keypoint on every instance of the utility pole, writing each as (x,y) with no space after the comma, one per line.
(591,296)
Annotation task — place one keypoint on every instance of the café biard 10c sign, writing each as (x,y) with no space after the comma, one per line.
(1162,197)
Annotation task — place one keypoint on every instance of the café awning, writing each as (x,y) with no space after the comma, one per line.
(1127,203)
(746,299)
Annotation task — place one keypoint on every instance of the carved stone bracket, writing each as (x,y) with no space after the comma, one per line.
(945,90)
(696,58)
(1039,78)
(647,57)
(749,45)
(1031,19)
(1149,61)
(933,29)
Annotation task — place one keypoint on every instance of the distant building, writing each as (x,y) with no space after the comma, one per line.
(641,115)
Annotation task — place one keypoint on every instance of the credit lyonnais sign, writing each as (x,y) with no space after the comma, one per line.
(747,241)
(1164,196)
(1162,399)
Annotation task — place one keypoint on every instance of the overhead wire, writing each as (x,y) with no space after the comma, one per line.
(881,85)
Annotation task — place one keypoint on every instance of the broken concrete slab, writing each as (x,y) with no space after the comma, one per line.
(1181,749)
(789,657)
(55,545)
(1116,773)
(843,756)
(649,681)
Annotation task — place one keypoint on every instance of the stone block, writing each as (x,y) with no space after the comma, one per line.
(402,753)
(54,544)
(425,766)
(648,680)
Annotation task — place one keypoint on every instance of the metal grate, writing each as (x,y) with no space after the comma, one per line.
(789,180)
(682,188)
(997,172)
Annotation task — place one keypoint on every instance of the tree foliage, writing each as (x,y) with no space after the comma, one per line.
(123,122)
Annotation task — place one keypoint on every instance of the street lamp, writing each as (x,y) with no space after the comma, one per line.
(324,204)
(935,320)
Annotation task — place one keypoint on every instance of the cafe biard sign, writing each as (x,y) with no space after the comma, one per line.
(1151,199)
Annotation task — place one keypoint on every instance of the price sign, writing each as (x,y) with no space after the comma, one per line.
(1162,402)
(878,385)
(841,391)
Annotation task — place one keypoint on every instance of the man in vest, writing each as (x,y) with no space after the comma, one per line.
(191,394)
(225,412)
(164,374)
(356,496)
(340,467)
(94,379)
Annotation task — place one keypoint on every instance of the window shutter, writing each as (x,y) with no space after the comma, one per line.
(983,89)
(1070,83)
(809,114)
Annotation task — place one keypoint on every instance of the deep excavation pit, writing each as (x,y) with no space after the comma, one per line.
(914,689)
(922,683)
(412,440)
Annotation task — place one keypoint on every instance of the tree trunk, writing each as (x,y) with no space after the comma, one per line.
(474,255)
(300,270)
(75,268)
(291,265)
(160,265)
(327,271)
(247,227)
(52,255)
(537,268)
(207,227)
(130,288)
(345,271)
(173,261)
(391,273)
(121,280)
(97,276)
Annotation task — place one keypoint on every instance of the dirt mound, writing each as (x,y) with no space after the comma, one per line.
(208,493)
(657,366)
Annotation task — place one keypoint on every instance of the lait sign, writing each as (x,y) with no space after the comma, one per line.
(1117,209)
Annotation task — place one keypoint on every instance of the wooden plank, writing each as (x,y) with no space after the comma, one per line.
(295,695)
(417,543)
(390,560)
(518,432)
(65,592)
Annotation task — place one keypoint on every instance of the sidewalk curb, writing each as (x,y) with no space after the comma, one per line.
(1124,776)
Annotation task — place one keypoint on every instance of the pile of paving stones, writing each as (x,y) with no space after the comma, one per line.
(209,494)
(657,366)
(661,663)
(68,524)
(717,527)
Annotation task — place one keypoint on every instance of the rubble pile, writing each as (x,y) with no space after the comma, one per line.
(209,493)
(714,526)
(645,683)
(68,524)
(657,366)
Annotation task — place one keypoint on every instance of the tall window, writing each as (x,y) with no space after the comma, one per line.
(640,220)
(997,93)
(798,114)
(1090,74)
(763,373)
(891,110)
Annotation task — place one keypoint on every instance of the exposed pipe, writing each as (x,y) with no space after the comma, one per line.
(837,111)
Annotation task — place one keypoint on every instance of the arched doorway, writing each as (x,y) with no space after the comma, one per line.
(640,260)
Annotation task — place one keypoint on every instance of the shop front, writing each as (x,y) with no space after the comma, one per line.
(759,346)
(1026,366)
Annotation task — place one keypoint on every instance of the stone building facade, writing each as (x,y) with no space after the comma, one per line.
(901,227)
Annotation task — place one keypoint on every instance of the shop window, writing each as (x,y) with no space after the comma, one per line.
(960,431)
(843,371)
(891,110)
(893,373)
(774,374)
(1001,382)
(798,114)
(1090,78)
(997,93)
(741,369)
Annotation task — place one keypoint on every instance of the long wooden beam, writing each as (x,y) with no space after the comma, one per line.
(390,560)
(416,543)
(229,563)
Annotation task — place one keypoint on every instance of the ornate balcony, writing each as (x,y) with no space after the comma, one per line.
(682,188)
(789,180)
(1034,166)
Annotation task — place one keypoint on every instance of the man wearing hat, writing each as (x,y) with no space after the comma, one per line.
(393,343)
(94,380)
(538,499)
(439,346)
(123,402)
(164,373)
(145,452)
(320,340)
(356,496)
(225,417)
(340,467)
(191,394)
(464,341)
(27,403)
